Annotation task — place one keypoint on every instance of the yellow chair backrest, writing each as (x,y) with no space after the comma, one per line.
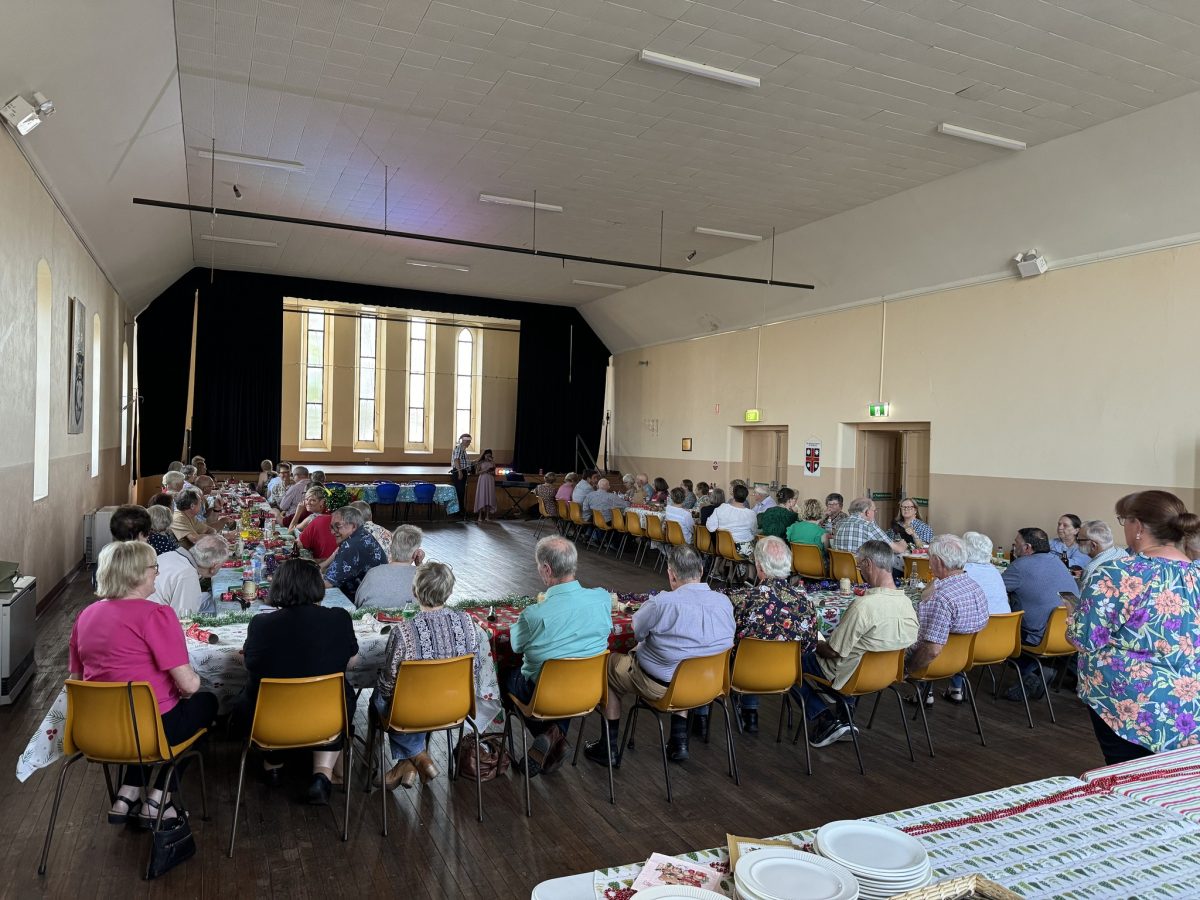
(654,529)
(99,725)
(954,658)
(999,640)
(842,565)
(576,510)
(561,506)
(571,687)
(618,522)
(674,532)
(876,670)
(633,524)
(918,565)
(432,694)
(299,712)
(1054,638)
(546,511)
(726,548)
(807,561)
(765,667)
(598,520)
(697,682)
(704,541)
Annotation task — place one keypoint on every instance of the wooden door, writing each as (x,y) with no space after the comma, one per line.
(758,454)
(881,472)
(914,468)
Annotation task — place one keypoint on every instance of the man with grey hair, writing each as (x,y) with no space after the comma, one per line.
(185,525)
(688,621)
(881,620)
(604,500)
(1095,538)
(279,483)
(294,495)
(953,603)
(859,527)
(771,610)
(357,552)
(382,536)
(569,620)
(173,482)
(189,476)
(391,585)
(180,571)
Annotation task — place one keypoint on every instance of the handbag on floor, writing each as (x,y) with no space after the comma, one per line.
(493,757)
(173,844)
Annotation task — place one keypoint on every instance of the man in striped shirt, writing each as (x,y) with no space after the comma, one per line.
(460,468)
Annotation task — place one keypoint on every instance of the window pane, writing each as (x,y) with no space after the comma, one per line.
(465,357)
(366,384)
(417,330)
(462,421)
(316,348)
(316,321)
(366,420)
(316,384)
(367,337)
(416,362)
(416,390)
(312,422)
(464,391)
(416,426)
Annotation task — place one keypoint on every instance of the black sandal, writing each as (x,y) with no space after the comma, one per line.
(131,811)
(147,820)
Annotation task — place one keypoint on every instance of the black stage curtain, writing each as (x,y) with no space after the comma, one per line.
(239,367)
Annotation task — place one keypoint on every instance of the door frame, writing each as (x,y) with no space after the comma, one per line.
(781,465)
(860,449)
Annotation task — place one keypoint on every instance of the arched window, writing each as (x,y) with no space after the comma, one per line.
(464,383)
(124,402)
(97,369)
(419,334)
(42,378)
(368,431)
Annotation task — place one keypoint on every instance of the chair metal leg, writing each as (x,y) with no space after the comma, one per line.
(108,783)
(1021,684)
(807,747)
(1045,690)
(853,735)
(627,737)
(450,773)
(58,792)
(975,711)
(729,747)
(382,739)
(478,771)
(662,742)
(203,786)
(525,769)
(903,721)
(785,705)
(348,768)
(579,743)
(368,754)
(874,709)
(921,688)
(237,800)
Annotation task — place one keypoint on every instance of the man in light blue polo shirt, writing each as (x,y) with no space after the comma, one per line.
(571,621)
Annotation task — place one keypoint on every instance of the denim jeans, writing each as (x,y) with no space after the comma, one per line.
(813,704)
(404,746)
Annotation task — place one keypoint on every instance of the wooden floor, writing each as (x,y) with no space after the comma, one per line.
(438,849)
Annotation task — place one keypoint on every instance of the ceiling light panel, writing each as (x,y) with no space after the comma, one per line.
(432,264)
(694,68)
(735,235)
(220,239)
(981,137)
(248,160)
(599,284)
(513,201)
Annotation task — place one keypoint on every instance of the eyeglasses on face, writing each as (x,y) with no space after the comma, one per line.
(1124,520)
(154,567)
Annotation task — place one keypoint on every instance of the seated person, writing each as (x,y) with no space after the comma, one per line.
(760,499)
(736,518)
(677,512)
(777,518)
(953,603)
(772,610)
(571,621)
(293,496)
(130,523)
(703,494)
(130,638)
(834,514)
(689,497)
(382,536)
(630,489)
(180,571)
(1034,579)
(435,632)
(265,474)
(161,538)
(859,526)
(585,486)
(690,620)
(300,639)
(604,500)
(661,491)
(279,484)
(807,530)
(357,552)
(642,484)
(390,586)
(716,499)
(979,567)
(316,535)
(184,524)
(199,464)
(172,482)
(567,489)
(909,526)
(1066,546)
(547,492)
(1095,538)
(881,620)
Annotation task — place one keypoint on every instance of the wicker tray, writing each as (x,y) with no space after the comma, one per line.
(962,887)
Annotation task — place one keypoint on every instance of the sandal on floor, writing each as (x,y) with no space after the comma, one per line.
(149,814)
(131,811)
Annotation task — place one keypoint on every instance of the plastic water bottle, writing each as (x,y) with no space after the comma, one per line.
(260,554)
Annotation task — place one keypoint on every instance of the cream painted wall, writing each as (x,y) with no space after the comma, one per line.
(1046,395)
(496,395)
(46,537)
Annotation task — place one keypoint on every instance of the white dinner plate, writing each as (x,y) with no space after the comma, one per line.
(872,849)
(678,892)
(781,873)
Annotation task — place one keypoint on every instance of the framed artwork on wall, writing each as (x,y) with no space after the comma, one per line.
(77,368)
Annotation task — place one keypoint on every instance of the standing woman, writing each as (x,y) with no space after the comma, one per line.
(1136,627)
(909,526)
(485,485)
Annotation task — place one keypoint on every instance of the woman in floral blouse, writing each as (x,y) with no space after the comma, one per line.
(1136,629)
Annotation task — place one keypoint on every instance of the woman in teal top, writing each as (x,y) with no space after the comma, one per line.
(776,520)
(807,531)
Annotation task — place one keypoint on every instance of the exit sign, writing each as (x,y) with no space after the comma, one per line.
(879,410)
(754,415)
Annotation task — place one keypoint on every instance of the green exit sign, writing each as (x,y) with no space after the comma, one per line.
(879,410)
(754,415)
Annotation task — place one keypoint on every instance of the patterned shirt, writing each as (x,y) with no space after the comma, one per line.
(354,558)
(548,493)
(956,606)
(775,611)
(856,531)
(459,459)
(162,541)
(1136,629)
(382,536)
(430,634)
(920,528)
(830,522)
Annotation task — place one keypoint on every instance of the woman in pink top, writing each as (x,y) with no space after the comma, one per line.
(126,637)
(568,487)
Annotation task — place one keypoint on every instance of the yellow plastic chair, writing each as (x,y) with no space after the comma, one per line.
(674,532)
(296,714)
(603,527)
(564,512)
(633,525)
(548,515)
(430,695)
(697,682)
(767,667)
(842,565)
(727,550)
(570,688)
(704,546)
(1054,645)
(117,723)
(618,525)
(575,514)
(808,561)
(1000,644)
(654,531)
(954,659)
(918,565)
(877,671)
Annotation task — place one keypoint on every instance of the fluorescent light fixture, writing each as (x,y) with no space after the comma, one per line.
(736,235)
(695,68)
(231,240)
(981,137)
(599,284)
(513,201)
(247,160)
(25,116)
(430,264)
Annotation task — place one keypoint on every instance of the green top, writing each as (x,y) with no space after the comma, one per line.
(805,533)
(775,521)
(571,621)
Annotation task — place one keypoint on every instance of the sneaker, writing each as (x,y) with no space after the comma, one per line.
(912,701)
(954,695)
(830,733)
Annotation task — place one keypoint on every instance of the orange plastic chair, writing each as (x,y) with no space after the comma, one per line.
(954,659)
(117,723)
(704,546)
(569,688)
(575,513)
(430,695)
(1054,645)
(654,531)
(618,525)
(564,512)
(843,565)
(918,565)
(767,667)
(548,515)
(602,526)
(1000,644)
(808,561)
(697,682)
(727,550)
(633,525)
(294,714)
(877,671)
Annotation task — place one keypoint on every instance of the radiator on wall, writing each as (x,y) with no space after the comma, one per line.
(96,533)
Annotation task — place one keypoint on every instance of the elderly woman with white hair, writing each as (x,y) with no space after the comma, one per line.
(172,482)
(980,569)
(160,537)
(390,585)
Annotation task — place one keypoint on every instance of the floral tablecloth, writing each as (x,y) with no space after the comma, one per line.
(1099,846)
(497,621)
(443,494)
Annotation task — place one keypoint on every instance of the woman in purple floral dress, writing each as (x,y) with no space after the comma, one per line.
(1136,627)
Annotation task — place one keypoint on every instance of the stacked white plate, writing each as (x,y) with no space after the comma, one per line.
(885,860)
(781,873)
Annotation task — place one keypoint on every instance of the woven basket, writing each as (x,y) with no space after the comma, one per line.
(956,888)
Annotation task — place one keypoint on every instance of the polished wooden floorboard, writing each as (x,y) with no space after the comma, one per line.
(438,849)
